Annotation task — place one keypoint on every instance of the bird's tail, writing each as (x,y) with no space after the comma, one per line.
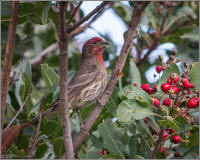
(50,109)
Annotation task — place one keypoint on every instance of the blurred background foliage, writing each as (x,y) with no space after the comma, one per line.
(163,26)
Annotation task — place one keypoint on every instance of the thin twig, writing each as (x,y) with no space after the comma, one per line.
(70,29)
(63,68)
(74,12)
(132,33)
(163,20)
(178,26)
(50,109)
(38,59)
(5,77)
(35,141)
(157,145)
(20,109)
(83,27)
(153,46)
(14,80)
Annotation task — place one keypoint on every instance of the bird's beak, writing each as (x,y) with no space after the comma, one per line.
(105,44)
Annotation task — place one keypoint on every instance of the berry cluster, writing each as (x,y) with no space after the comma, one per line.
(181,97)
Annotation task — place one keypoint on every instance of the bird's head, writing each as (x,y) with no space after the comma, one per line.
(94,47)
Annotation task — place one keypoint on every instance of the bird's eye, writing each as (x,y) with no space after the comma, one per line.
(94,42)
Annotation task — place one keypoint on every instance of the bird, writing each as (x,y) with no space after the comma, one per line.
(89,82)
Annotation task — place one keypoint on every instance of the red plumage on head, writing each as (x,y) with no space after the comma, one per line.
(93,47)
(94,39)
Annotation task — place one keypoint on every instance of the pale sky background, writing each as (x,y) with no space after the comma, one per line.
(109,23)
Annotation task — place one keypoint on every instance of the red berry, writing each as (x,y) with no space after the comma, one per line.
(174,79)
(175,89)
(165,87)
(176,139)
(193,102)
(184,79)
(165,135)
(149,90)
(184,115)
(167,102)
(171,131)
(189,92)
(162,149)
(101,151)
(145,120)
(159,69)
(145,86)
(169,80)
(156,102)
(180,84)
(177,154)
(155,88)
(187,84)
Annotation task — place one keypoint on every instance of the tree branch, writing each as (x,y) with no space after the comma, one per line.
(5,77)
(20,109)
(70,29)
(132,33)
(63,68)
(38,59)
(30,155)
(74,12)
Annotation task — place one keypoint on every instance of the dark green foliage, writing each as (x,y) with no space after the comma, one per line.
(120,130)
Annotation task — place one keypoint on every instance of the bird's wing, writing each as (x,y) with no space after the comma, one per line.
(81,80)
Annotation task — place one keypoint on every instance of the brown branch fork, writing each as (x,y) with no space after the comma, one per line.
(132,33)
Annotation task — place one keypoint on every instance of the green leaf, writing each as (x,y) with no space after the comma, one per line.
(49,75)
(179,35)
(58,147)
(96,141)
(160,155)
(113,102)
(123,11)
(48,101)
(49,127)
(41,150)
(45,13)
(133,143)
(111,139)
(5,8)
(22,142)
(112,156)
(169,123)
(194,137)
(181,120)
(25,87)
(130,110)
(172,68)
(27,69)
(9,109)
(134,73)
(194,74)
(193,140)
(133,92)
